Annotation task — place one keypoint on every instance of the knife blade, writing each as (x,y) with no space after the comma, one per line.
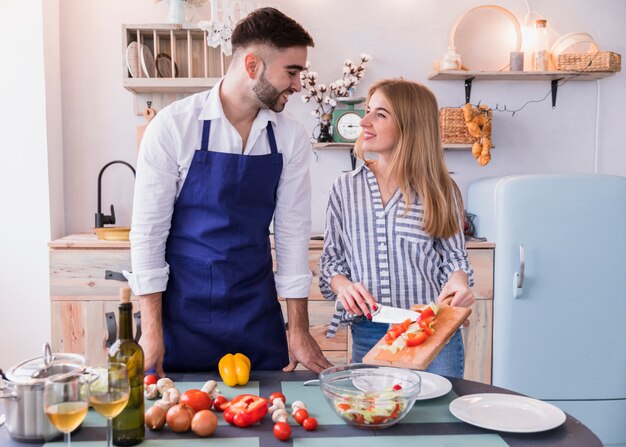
(386,314)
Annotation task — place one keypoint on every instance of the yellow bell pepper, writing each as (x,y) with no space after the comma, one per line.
(234,369)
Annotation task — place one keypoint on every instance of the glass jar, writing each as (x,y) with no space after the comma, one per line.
(541,54)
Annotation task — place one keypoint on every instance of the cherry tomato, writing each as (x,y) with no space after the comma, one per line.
(150,379)
(282,431)
(217,403)
(397,387)
(278,395)
(416,339)
(309,424)
(196,399)
(300,415)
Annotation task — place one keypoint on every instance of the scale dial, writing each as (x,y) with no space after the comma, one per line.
(348,126)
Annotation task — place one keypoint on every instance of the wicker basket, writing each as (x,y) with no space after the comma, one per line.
(452,127)
(602,61)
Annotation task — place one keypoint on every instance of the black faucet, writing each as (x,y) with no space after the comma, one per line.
(101,219)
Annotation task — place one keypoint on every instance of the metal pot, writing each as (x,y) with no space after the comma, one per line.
(23,393)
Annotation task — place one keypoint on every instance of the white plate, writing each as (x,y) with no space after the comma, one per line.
(507,413)
(147,62)
(132,59)
(432,386)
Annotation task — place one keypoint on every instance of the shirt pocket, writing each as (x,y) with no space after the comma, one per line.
(410,226)
(189,289)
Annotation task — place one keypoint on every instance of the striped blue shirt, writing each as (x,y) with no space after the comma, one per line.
(384,248)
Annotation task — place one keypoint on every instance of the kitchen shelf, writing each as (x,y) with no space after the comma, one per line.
(332,145)
(450,75)
(552,76)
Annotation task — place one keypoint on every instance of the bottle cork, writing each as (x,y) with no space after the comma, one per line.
(125,295)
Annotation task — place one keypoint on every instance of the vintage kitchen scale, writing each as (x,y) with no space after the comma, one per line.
(346,128)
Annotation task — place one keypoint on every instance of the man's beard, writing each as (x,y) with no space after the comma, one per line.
(268,94)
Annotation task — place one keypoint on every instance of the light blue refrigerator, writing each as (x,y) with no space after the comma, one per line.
(559,323)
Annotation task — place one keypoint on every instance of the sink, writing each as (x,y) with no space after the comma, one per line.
(112,233)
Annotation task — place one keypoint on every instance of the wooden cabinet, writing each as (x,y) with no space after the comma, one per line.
(81,294)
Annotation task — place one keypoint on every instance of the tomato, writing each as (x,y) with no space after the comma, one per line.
(150,379)
(253,407)
(429,331)
(343,407)
(276,395)
(397,387)
(196,399)
(282,431)
(425,322)
(416,339)
(309,424)
(217,403)
(427,312)
(300,415)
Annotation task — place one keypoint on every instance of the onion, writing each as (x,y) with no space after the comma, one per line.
(155,417)
(204,423)
(179,418)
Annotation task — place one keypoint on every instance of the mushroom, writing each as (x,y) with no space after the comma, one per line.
(171,395)
(277,404)
(210,387)
(280,415)
(296,405)
(151,391)
(165,404)
(163,384)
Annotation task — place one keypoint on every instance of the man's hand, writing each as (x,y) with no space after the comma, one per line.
(302,347)
(151,340)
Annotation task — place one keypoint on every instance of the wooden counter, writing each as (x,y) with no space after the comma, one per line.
(81,295)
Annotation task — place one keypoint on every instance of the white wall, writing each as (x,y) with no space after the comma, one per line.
(403,36)
(25,222)
(90,119)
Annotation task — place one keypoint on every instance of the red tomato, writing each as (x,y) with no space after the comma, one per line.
(309,424)
(196,399)
(343,407)
(423,323)
(397,387)
(300,415)
(416,339)
(282,431)
(429,331)
(427,312)
(217,403)
(150,379)
(275,395)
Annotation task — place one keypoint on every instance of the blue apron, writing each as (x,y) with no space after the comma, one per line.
(221,295)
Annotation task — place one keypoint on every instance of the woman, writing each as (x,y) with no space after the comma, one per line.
(394,226)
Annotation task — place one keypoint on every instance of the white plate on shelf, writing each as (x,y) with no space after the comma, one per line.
(432,386)
(507,412)
(132,59)
(147,62)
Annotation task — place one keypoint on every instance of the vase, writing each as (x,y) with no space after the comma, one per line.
(324,136)
(179,11)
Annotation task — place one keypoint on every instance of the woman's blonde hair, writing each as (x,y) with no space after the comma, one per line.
(417,161)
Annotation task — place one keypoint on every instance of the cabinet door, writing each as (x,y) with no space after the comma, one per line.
(477,339)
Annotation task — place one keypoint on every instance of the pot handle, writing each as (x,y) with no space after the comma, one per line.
(7,390)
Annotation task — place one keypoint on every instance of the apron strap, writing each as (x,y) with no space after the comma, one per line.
(206,130)
(271,139)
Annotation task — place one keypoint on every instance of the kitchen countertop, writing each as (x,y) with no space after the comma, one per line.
(89,240)
(429,423)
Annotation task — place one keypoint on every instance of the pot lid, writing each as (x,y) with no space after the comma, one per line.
(39,369)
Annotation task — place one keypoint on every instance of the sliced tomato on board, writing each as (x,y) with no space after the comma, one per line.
(416,339)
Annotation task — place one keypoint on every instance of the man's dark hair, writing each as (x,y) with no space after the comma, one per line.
(272,27)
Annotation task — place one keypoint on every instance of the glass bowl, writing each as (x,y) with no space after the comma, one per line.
(370,396)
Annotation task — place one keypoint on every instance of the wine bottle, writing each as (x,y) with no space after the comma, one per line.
(128,426)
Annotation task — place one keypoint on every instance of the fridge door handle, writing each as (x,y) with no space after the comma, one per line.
(518,277)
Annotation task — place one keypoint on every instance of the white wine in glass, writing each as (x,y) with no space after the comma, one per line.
(108,391)
(65,403)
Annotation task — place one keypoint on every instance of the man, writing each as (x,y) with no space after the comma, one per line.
(213,169)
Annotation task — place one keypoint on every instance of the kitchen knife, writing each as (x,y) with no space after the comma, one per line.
(386,314)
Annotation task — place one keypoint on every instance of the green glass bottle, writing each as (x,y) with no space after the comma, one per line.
(128,426)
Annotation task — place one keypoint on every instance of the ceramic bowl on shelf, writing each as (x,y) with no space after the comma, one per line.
(369,396)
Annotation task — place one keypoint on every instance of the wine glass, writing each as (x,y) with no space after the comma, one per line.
(65,402)
(109,390)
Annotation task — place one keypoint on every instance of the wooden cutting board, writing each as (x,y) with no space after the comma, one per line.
(448,320)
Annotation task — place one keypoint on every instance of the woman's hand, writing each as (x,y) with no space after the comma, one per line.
(456,291)
(356,299)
